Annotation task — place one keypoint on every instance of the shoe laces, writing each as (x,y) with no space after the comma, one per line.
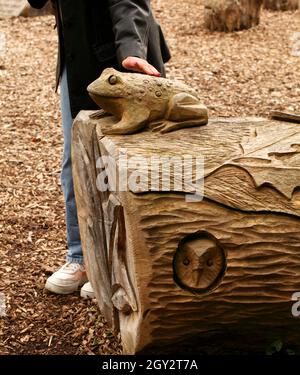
(71,266)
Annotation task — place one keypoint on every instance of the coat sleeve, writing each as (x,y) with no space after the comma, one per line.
(37,3)
(131,23)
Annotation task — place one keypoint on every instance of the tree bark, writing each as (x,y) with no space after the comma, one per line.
(281,4)
(166,267)
(232,15)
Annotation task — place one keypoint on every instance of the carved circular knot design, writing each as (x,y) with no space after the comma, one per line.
(199,263)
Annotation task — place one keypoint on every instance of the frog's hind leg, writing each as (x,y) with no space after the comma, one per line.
(131,122)
(167,126)
(184,111)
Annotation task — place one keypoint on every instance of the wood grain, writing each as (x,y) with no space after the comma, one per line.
(263,268)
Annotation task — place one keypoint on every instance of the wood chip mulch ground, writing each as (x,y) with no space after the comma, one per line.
(244,73)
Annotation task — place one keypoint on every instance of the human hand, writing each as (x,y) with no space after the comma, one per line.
(139,65)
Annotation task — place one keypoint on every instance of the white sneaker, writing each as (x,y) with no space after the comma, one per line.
(68,279)
(87,291)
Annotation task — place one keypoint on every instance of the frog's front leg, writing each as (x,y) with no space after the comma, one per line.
(99,114)
(132,121)
(184,110)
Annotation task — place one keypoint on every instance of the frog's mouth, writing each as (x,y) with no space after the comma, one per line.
(97,96)
(105,98)
(113,105)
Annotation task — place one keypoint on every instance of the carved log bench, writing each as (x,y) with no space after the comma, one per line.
(166,268)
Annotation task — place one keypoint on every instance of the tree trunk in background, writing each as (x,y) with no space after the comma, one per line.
(282,4)
(231,15)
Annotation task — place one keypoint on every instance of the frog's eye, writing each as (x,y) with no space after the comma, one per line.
(113,79)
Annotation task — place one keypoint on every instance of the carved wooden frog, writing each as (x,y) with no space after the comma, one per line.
(138,100)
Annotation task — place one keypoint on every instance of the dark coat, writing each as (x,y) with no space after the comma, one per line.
(96,34)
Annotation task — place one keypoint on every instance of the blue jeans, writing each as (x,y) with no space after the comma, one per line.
(73,237)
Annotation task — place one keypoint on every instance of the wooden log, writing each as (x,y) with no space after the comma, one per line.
(166,268)
(231,15)
(285,116)
(282,4)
